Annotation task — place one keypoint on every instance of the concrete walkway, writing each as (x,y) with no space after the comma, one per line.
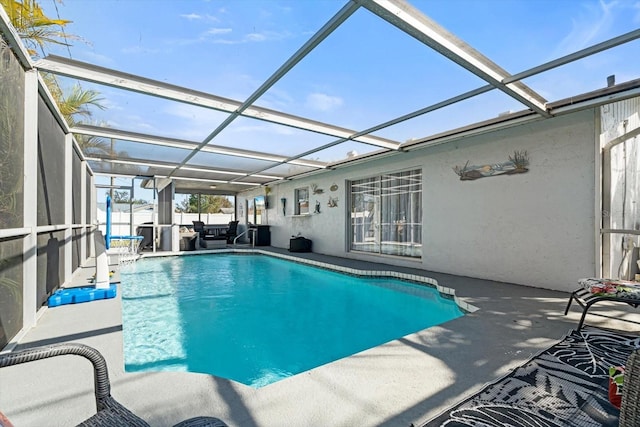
(405,381)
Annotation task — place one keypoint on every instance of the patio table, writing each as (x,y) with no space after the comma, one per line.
(593,290)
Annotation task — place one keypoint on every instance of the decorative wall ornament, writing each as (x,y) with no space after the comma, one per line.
(317,208)
(316,190)
(517,164)
(333,202)
(334,187)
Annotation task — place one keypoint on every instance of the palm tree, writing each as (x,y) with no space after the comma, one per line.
(75,109)
(35,28)
(77,103)
(37,31)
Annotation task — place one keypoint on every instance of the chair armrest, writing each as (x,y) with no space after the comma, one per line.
(630,408)
(101,377)
(110,412)
(202,422)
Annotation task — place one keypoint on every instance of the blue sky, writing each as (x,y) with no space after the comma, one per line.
(367,72)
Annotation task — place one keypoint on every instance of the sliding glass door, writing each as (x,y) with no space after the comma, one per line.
(386,214)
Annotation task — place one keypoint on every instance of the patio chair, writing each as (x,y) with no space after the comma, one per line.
(109,411)
(630,408)
(147,235)
(198,227)
(221,235)
(231,232)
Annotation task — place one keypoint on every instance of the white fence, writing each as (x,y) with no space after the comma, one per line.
(120,225)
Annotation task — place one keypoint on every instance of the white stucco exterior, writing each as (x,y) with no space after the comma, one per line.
(536,228)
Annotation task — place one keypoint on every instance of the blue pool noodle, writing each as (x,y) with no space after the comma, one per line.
(107,238)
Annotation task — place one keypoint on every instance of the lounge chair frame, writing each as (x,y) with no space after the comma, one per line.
(586,299)
(109,411)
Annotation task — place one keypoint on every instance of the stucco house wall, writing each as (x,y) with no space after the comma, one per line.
(535,228)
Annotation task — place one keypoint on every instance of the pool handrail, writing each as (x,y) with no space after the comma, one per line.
(240,235)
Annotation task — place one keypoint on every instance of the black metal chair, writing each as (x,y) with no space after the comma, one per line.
(147,235)
(216,239)
(198,227)
(231,232)
(109,411)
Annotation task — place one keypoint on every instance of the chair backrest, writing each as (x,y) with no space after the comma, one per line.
(198,226)
(233,227)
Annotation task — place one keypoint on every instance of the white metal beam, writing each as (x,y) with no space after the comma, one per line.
(30,202)
(68,207)
(93,73)
(172,165)
(298,56)
(416,24)
(13,39)
(109,133)
(591,50)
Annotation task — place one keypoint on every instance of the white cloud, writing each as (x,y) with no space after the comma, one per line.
(255,37)
(275,99)
(194,123)
(140,124)
(197,17)
(260,37)
(323,102)
(588,27)
(216,31)
(136,50)
(95,58)
(213,35)
(261,128)
(191,16)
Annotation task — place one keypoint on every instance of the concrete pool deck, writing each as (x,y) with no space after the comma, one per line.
(405,381)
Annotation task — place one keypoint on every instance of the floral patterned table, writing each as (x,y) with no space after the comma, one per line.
(593,290)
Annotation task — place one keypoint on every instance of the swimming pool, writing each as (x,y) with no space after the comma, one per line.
(257,319)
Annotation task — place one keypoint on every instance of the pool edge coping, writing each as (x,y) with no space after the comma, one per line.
(446,292)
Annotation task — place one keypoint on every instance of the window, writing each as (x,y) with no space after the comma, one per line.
(259,210)
(386,214)
(302,201)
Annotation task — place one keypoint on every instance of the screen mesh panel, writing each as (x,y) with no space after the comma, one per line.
(214,160)
(343,151)
(11,284)
(50,264)
(288,169)
(193,174)
(163,116)
(369,86)
(253,179)
(482,107)
(76,188)
(11,139)
(256,135)
(50,168)
(115,168)
(89,198)
(76,241)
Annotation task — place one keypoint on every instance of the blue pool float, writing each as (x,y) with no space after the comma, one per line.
(78,295)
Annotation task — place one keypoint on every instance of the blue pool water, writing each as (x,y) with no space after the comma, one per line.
(257,319)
